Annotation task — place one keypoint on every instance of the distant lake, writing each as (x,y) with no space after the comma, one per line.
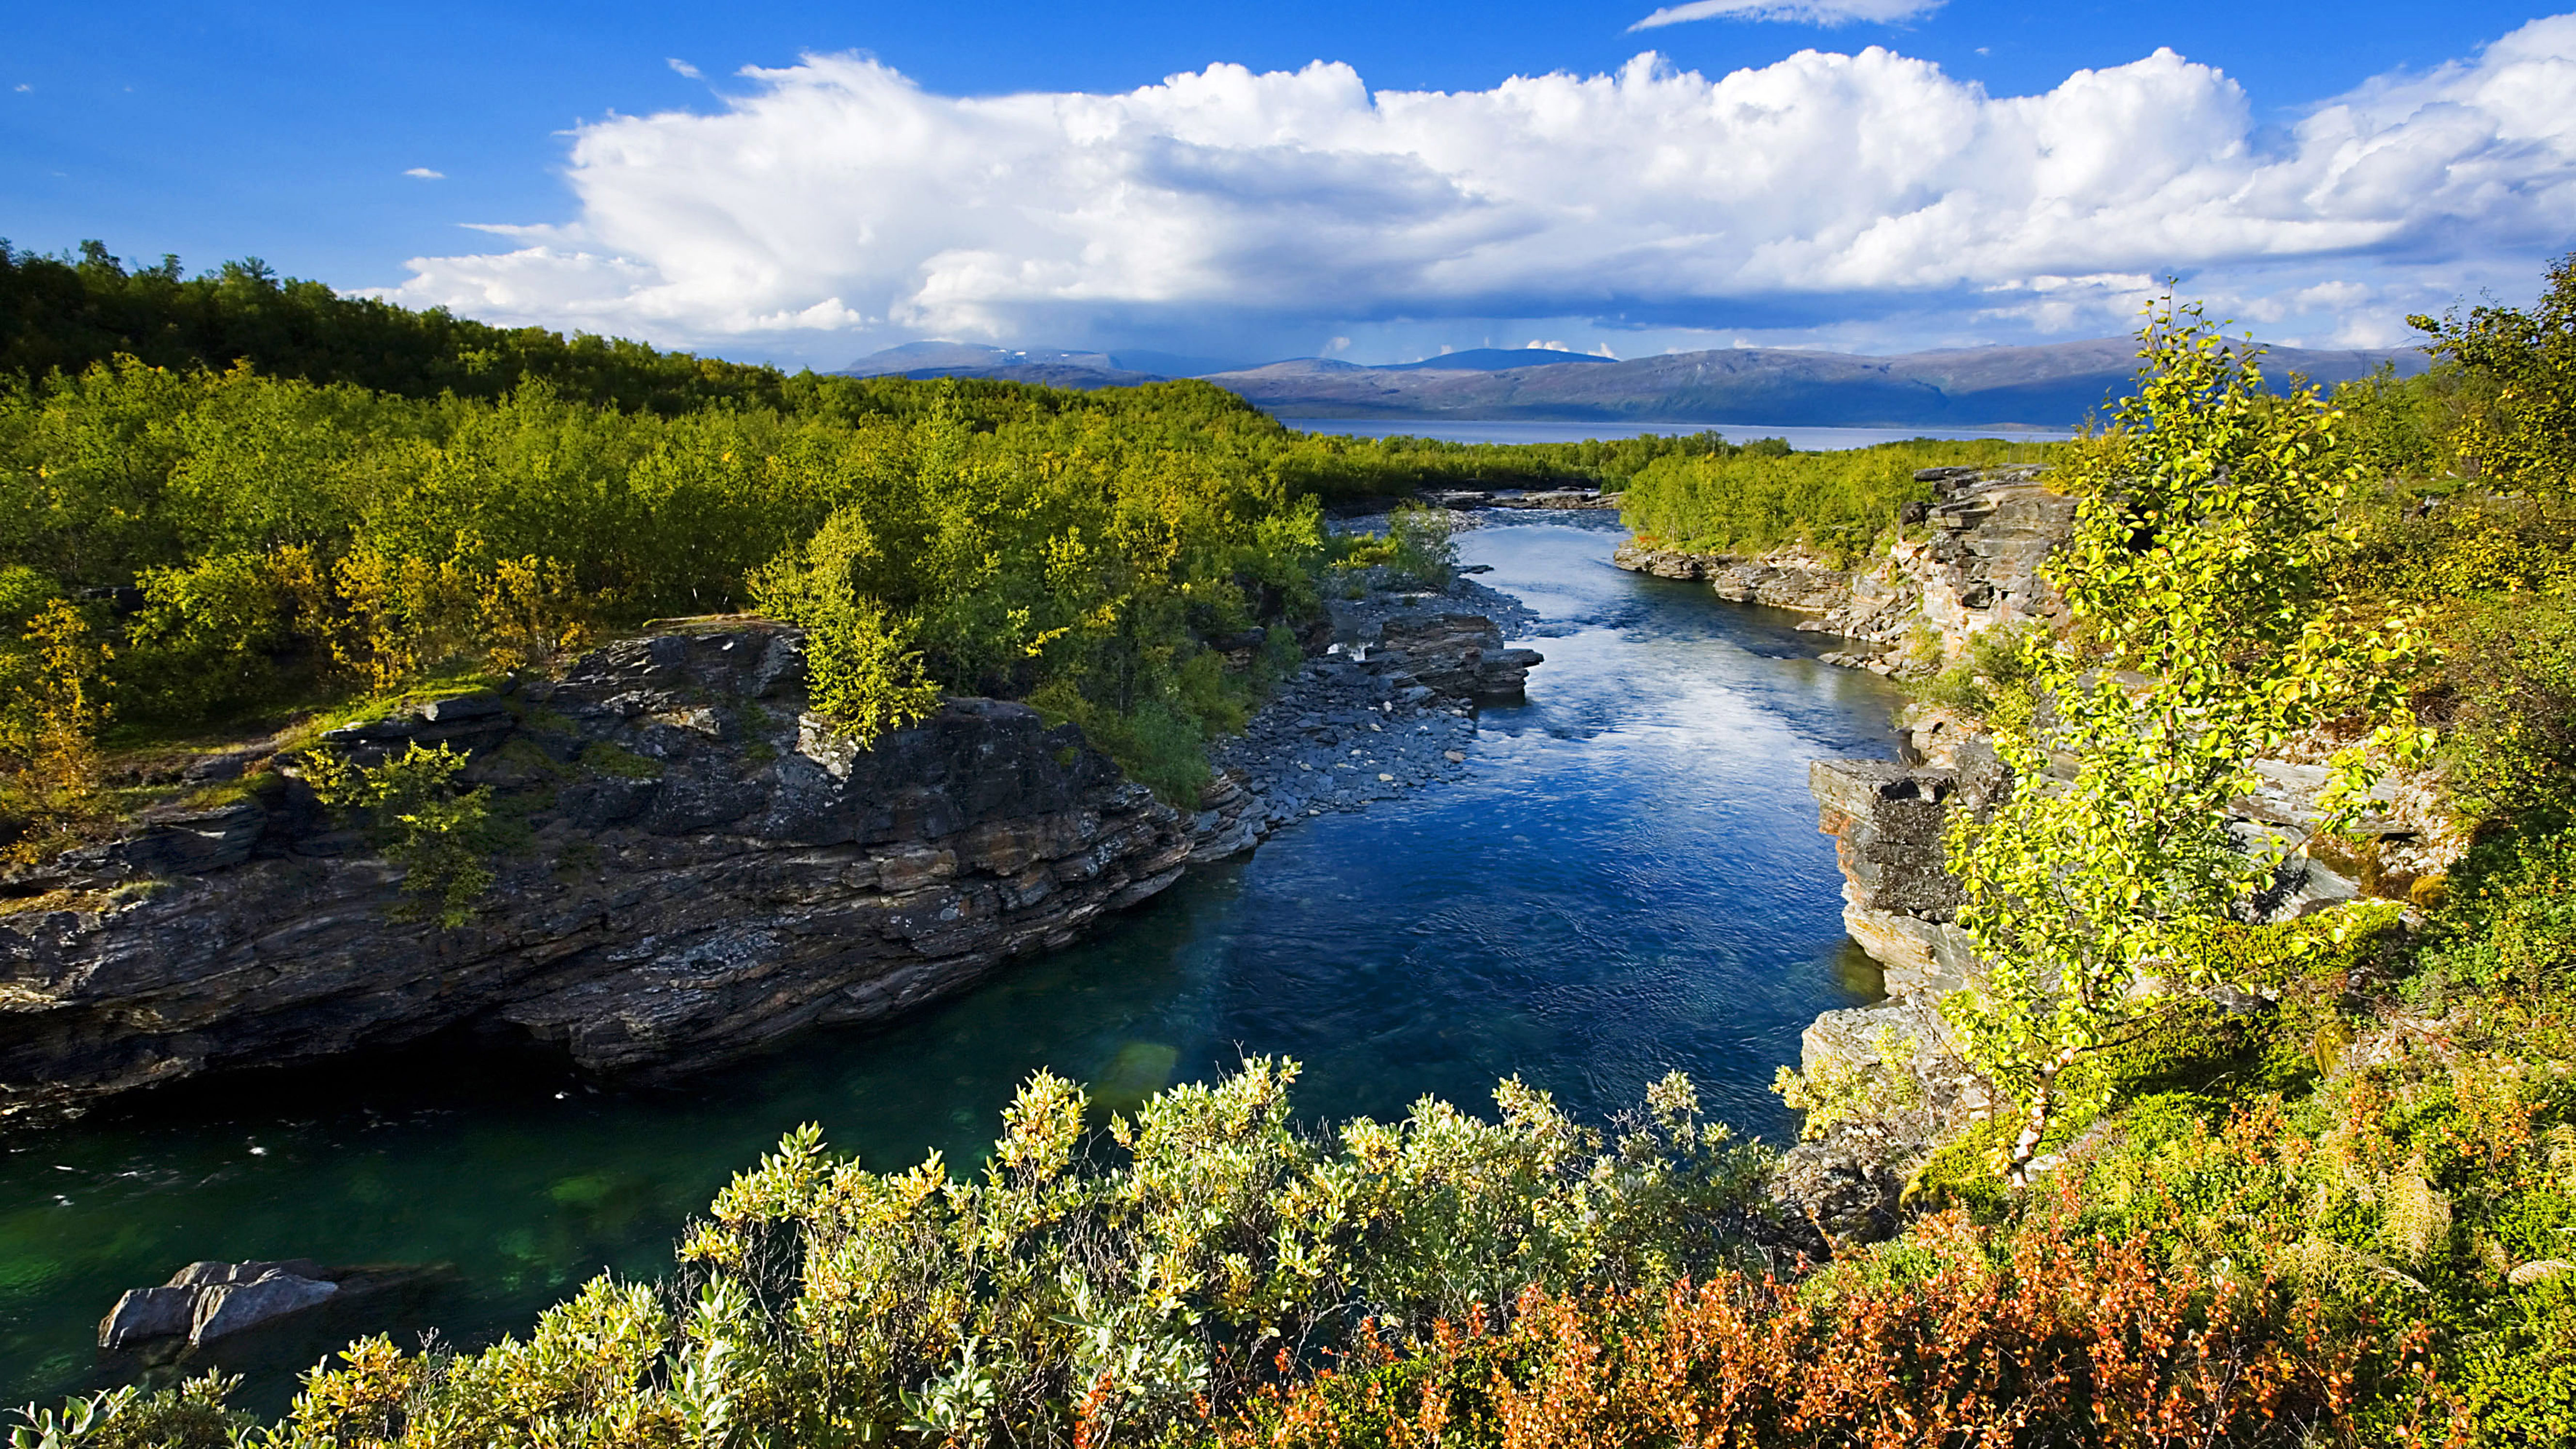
(1805,440)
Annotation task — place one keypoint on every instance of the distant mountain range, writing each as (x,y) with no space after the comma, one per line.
(1493,359)
(1049,366)
(2054,385)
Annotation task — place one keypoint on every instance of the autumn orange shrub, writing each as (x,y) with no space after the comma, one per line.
(1961,1335)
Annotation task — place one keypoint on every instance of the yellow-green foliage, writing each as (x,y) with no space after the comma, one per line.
(1125,1290)
(2201,573)
(1996,683)
(2511,919)
(373,496)
(437,833)
(864,675)
(1836,503)
(190,1415)
(1417,547)
(56,690)
(1838,1092)
(2516,428)
(1011,538)
(2400,428)
(2493,577)
(2431,1183)
(2435,547)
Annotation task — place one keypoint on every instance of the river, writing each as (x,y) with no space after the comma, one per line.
(1630,880)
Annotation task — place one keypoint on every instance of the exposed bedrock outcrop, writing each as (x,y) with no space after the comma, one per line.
(1965,563)
(1788,578)
(691,865)
(1900,904)
(1899,901)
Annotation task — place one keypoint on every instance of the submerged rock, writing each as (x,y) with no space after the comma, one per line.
(147,1313)
(228,1308)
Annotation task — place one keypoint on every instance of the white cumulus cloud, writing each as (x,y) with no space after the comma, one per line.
(1801,12)
(683,68)
(425,174)
(1826,194)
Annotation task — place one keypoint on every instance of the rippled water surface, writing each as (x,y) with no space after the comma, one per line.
(1630,881)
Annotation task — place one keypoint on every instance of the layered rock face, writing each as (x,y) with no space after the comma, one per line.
(702,867)
(1791,578)
(1965,564)
(691,865)
(1457,656)
(1900,903)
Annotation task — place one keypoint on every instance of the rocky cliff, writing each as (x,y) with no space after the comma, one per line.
(703,866)
(1967,562)
(690,865)
(1900,903)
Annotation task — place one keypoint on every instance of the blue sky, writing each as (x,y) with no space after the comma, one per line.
(1250,218)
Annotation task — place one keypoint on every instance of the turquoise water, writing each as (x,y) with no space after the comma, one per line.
(1629,881)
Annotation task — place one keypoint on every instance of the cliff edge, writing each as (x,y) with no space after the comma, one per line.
(689,865)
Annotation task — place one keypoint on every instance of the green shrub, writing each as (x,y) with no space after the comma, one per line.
(2397,428)
(1156,744)
(189,1416)
(2516,426)
(2510,921)
(2510,673)
(1125,1291)
(2460,546)
(1424,550)
(438,834)
(55,695)
(204,642)
(1995,683)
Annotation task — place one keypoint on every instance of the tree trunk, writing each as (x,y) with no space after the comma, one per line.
(2035,1126)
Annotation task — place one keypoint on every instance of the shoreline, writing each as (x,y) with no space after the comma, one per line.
(1391,707)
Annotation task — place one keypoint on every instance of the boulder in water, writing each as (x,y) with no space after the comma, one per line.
(208,1300)
(147,1313)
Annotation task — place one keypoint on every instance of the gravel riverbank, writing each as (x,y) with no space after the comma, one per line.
(1390,708)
